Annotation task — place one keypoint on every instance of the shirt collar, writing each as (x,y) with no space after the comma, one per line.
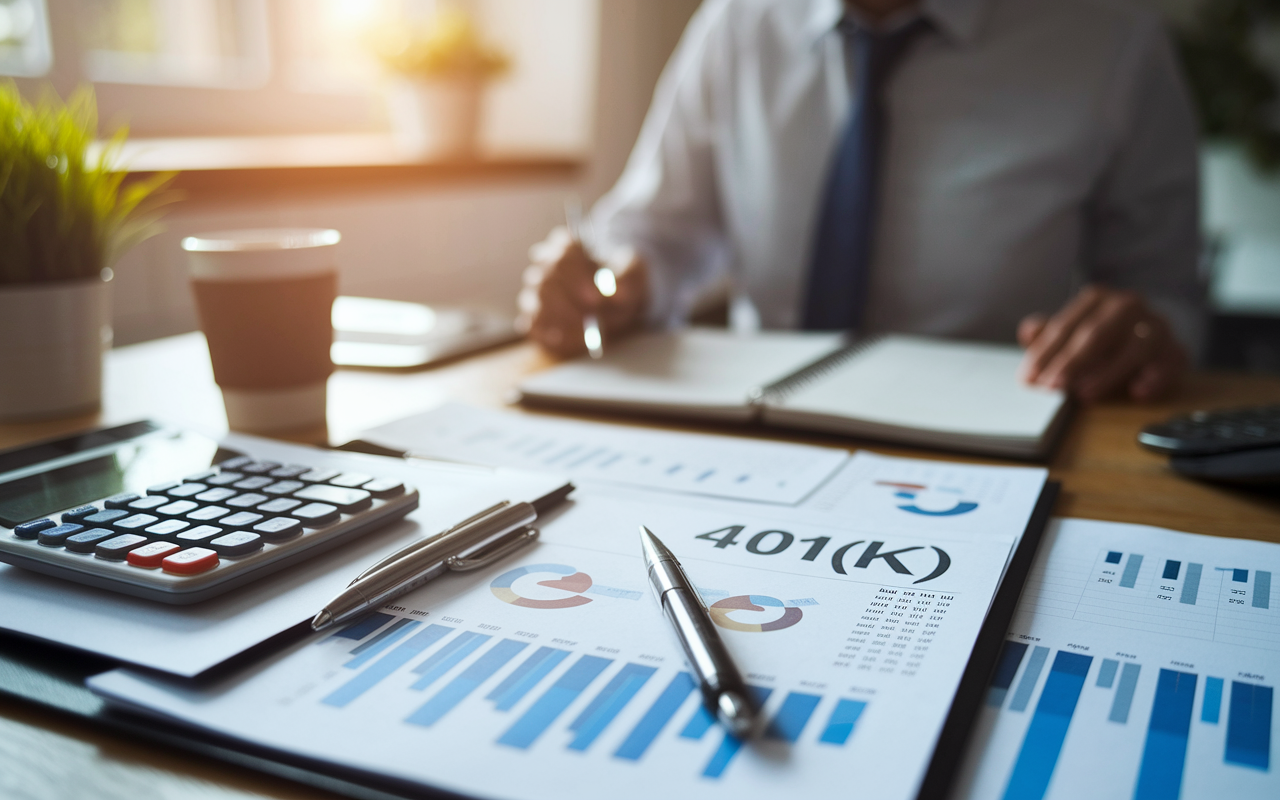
(956,19)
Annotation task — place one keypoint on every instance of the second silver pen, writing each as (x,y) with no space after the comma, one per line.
(470,544)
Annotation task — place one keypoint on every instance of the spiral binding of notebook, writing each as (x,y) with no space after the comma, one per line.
(832,361)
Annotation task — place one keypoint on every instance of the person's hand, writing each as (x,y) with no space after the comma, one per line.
(559,291)
(1104,342)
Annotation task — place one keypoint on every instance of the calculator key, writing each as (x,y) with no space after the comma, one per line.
(149,503)
(319,475)
(315,515)
(120,500)
(350,479)
(200,533)
(349,500)
(250,484)
(281,505)
(106,518)
(258,467)
(208,513)
(116,548)
(235,463)
(150,555)
(85,542)
(163,488)
(30,530)
(216,495)
(187,490)
(167,528)
(248,500)
(177,508)
(134,523)
(57,537)
(384,487)
(289,471)
(278,529)
(283,487)
(242,519)
(237,544)
(225,478)
(80,513)
(201,477)
(191,561)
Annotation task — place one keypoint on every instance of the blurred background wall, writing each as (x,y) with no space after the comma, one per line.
(560,123)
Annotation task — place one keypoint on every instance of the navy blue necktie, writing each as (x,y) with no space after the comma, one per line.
(842,248)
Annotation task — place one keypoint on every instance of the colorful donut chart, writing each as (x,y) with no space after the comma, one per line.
(721,609)
(575,582)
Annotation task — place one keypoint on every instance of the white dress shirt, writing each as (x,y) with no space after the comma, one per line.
(1033,146)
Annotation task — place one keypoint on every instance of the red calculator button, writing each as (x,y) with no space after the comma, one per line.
(150,555)
(191,561)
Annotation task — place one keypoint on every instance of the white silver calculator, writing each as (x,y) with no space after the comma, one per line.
(168,515)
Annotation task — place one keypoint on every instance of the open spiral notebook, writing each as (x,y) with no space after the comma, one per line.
(936,393)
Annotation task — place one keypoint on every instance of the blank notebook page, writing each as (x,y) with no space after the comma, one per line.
(691,369)
(955,387)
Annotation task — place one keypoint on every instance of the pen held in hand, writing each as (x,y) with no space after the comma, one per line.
(606,282)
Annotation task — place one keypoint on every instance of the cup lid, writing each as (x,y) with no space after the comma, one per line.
(251,239)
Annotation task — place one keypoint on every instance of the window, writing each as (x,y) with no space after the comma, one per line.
(182,42)
(24,38)
(227,68)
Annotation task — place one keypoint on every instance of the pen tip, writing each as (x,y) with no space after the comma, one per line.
(323,620)
(737,714)
(654,549)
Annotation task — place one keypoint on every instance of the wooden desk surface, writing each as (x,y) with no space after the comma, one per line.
(1105,475)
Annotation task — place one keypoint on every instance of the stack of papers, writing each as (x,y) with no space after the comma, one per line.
(852,606)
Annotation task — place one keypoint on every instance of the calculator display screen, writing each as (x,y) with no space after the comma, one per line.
(96,473)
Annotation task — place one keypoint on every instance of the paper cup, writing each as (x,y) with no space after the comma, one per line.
(265,300)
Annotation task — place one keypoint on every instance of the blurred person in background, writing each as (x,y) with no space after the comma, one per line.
(983,169)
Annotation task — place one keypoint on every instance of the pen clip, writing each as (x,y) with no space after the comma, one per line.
(493,551)
(404,551)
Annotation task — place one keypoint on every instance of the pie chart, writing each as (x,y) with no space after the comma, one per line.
(721,610)
(573,582)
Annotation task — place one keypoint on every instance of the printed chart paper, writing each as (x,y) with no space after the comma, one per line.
(700,464)
(1142,664)
(558,663)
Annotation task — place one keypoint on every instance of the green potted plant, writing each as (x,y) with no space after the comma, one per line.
(65,216)
(439,73)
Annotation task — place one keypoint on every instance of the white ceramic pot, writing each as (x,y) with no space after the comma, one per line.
(52,337)
(436,118)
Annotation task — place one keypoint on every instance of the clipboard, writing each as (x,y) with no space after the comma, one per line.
(53,678)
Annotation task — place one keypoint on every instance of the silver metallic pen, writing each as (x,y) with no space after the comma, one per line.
(723,690)
(473,543)
(604,278)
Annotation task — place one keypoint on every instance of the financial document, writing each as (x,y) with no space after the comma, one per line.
(558,663)
(1142,663)
(716,466)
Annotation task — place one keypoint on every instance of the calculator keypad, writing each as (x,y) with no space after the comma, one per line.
(85,542)
(238,512)
(57,536)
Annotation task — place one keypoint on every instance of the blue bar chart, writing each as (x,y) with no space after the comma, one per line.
(1165,752)
(1249,725)
(1163,710)
(539,685)
(1048,730)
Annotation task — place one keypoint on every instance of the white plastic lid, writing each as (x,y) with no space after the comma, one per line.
(261,239)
